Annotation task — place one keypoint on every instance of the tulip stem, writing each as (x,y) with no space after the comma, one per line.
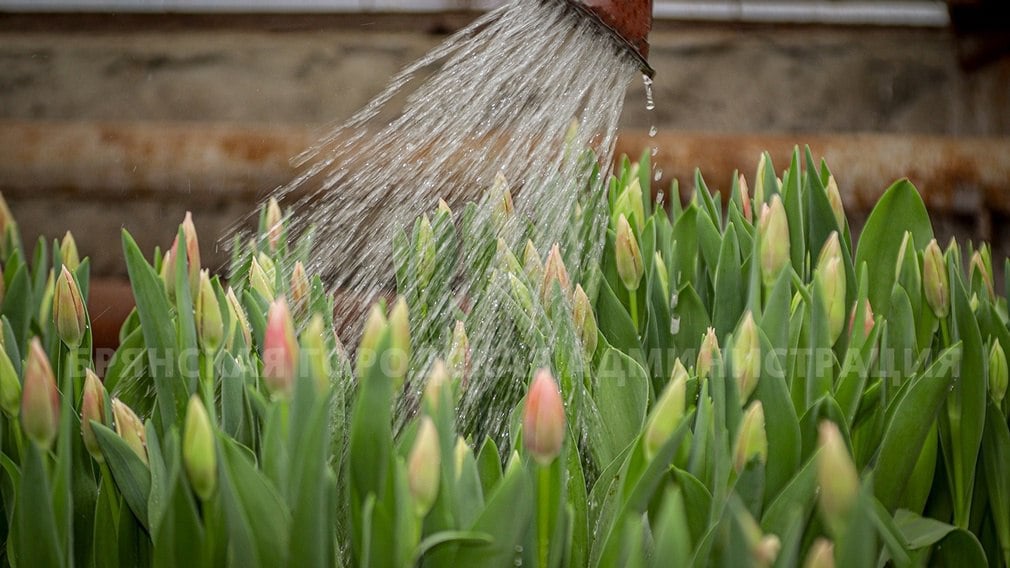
(207,385)
(633,305)
(944,332)
(543,502)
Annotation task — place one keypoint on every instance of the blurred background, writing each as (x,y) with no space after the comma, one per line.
(127,113)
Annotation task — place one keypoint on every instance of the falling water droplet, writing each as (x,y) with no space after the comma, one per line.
(655,151)
(659,175)
(650,103)
(653,131)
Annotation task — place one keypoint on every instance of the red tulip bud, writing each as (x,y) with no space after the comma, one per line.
(280,350)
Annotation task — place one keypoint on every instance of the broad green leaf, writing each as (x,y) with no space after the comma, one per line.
(621,394)
(131,474)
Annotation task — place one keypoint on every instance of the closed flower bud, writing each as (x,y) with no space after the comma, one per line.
(997,372)
(533,266)
(209,324)
(521,293)
(301,290)
(745,200)
(585,321)
(40,402)
(663,273)
(280,350)
(835,200)
(92,409)
(554,271)
(458,360)
(443,207)
(867,319)
(979,264)
(460,452)
(504,206)
(767,550)
(751,440)
(773,229)
(375,325)
(543,419)
(274,224)
(836,475)
(708,355)
(830,277)
(935,282)
(399,325)
(168,268)
(10,385)
(821,555)
(68,252)
(425,250)
(746,357)
(68,310)
(668,411)
(317,356)
(424,467)
(192,253)
(438,381)
(237,320)
(130,428)
(507,261)
(198,453)
(759,180)
(628,255)
(261,281)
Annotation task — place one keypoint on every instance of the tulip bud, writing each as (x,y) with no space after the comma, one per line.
(773,229)
(261,281)
(68,310)
(521,293)
(628,255)
(504,205)
(979,264)
(867,319)
(274,223)
(532,265)
(554,271)
(708,355)
(460,452)
(443,207)
(424,467)
(10,385)
(168,268)
(759,180)
(6,218)
(630,202)
(317,356)
(399,324)
(585,321)
(198,450)
(746,357)
(751,440)
(458,360)
(92,408)
(425,250)
(280,350)
(68,252)
(130,428)
(835,200)
(301,290)
(209,325)
(767,550)
(997,372)
(935,282)
(438,381)
(830,277)
(507,261)
(662,272)
(40,402)
(836,475)
(192,253)
(375,325)
(821,554)
(745,200)
(543,419)
(668,411)
(237,319)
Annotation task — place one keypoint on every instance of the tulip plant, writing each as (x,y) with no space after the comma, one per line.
(726,382)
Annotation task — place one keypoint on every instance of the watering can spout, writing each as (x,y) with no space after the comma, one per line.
(629,21)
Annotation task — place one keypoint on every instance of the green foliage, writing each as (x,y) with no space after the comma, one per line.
(888,439)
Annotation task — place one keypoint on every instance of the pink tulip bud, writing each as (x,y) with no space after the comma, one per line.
(168,268)
(748,209)
(92,408)
(68,310)
(40,402)
(867,319)
(424,467)
(544,419)
(192,253)
(280,350)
